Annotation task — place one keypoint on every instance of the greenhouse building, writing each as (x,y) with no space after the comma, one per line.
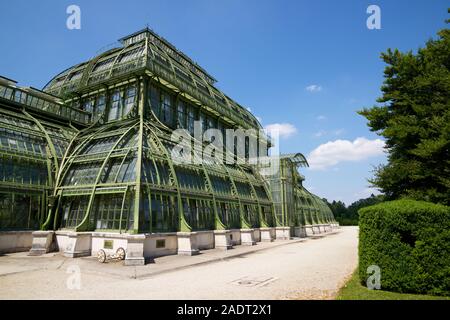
(137,148)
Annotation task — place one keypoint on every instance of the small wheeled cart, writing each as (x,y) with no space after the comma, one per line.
(102,256)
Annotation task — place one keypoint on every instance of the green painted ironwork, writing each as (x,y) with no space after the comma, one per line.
(100,134)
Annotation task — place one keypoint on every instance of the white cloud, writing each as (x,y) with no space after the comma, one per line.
(284,130)
(321,118)
(314,88)
(333,152)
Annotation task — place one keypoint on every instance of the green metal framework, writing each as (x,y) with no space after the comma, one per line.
(294,204)
(105,157)
(31,149)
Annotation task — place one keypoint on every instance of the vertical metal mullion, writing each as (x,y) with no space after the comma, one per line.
(149,209)
(121,210)
(161,206)
(29,211)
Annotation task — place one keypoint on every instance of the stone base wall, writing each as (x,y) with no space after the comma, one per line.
(15,241)
(138,247)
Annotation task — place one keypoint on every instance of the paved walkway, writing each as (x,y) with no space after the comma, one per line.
(294,269)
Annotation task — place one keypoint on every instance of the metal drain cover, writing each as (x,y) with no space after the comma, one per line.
(253,282)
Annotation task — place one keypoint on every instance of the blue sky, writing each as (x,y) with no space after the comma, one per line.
(265,55)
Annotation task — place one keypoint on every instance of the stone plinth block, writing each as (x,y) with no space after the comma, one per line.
(267,234)
(316,229)
(282,233)
(187,243)
(235,237)
(78,244)
(42,242)
(222,239)
(309,230)
(248,237)
(135,250)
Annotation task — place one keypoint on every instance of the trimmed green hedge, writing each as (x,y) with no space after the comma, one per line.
(410,242)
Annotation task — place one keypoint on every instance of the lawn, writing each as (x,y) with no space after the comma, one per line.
(353,290)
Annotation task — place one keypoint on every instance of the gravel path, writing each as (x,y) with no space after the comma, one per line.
(314,269)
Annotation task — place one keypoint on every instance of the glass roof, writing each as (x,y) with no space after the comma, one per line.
(142,51)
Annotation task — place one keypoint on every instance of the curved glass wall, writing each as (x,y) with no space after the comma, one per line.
(30,153)
(109,182)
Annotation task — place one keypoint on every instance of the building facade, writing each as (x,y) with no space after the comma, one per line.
(91,161)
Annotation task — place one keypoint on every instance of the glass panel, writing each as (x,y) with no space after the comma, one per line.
(164,213)
(243,189)
(166,109)
(19,211)
(100,145)
(251,215)
(108,211)
(103,65)
(268,215)
(73,210)
(154,101)
(83,173)
(130,98)
(261,193)
(149,173)
(116,106)
(181,119)
(221,185)
(191,120)
(190,179)
(127,171)
(88,105)
(23,172)
(130,55)
(163,173)
(100,106)
(110,170)
(198,213)
(17,141)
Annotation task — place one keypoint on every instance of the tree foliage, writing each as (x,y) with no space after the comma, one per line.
(348,216)
(414,119)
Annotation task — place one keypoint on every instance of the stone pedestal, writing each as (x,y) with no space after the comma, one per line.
(316,229)
(222,239)
(247,237)
(187,243)
(282,233)
(266,234)
(42,242)
(309,230)
(15,241)
(78,245)
(135,250)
